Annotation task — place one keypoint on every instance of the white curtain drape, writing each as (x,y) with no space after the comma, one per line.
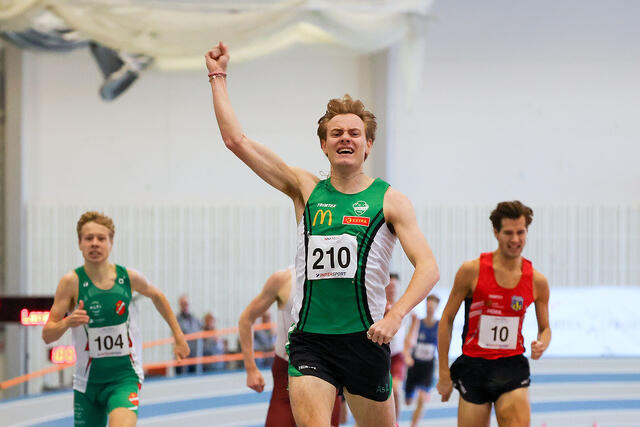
(177,33)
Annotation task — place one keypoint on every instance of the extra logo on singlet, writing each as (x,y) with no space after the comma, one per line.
(517,302)
(120,308)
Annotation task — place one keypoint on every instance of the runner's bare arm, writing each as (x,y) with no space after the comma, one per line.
(462,288)
(400,214)
(410,340)
(140,284)
(294,182)
(271,292)
(541,301)
(63,302)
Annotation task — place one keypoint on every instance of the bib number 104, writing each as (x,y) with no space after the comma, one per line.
(108,343)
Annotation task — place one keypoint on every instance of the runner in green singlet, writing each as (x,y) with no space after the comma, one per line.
(347,227)
(106,336)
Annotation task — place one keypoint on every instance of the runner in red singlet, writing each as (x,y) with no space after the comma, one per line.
(497,288)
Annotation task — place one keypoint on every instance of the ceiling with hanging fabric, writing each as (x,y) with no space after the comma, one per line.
(177,33)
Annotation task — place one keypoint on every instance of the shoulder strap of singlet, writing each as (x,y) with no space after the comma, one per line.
(527,273)
(527,267)
(121,271)
(486,266)
(82,278)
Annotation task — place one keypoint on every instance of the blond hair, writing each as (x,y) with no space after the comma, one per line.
(347,105)
(98,218)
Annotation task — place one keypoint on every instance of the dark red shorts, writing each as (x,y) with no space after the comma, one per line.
(397,367)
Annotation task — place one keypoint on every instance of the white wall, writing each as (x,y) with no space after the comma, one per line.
(531,100)
(159,141)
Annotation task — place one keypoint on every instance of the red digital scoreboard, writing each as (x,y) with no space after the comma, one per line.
(26,310)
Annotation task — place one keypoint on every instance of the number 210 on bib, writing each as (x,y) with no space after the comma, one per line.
(332,257)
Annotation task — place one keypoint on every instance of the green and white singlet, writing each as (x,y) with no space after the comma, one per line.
(342,263)
(109,348)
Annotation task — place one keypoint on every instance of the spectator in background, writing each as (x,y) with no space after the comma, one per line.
(264,340)
(189,324)
(212,346)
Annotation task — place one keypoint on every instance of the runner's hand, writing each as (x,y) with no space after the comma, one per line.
(217,58)
(255,381)
(78,316)
(181,349)
(408,360)
(383,330)
(445,386)
(537,348)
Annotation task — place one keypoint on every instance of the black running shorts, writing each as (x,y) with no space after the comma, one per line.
(347,360)
(483,380)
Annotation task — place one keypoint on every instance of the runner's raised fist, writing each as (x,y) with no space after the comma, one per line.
(217,58)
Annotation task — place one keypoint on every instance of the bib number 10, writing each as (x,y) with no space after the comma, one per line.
(498,332)
(332,257)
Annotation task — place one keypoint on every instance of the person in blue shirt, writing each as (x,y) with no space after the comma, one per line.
(419,351)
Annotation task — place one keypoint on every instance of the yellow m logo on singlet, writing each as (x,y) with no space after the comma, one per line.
(323,214)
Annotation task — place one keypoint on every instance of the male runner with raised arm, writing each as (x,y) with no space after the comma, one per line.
(347,227)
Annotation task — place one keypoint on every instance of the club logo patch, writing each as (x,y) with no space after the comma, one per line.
(95,307)
(517,302)
(360,207)
(133,398)
(120,308)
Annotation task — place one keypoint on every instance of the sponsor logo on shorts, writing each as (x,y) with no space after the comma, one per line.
(356,220)
(517,302)
(383,388)
(120,308)
(133,398)
(301,367)
(360,207)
